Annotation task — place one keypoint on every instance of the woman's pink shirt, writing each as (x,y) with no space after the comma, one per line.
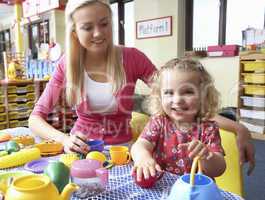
(113,128)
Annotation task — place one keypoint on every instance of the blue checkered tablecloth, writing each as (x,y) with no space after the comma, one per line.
(121,185)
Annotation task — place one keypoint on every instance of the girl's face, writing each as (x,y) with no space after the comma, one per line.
(93,27)
(180,95)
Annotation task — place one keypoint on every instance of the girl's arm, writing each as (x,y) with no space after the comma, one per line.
(246,148)
(144,164)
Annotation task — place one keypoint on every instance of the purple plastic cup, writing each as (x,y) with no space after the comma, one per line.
(96,145)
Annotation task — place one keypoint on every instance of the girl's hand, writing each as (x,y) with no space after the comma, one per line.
(76,143)
(197,148)
(145,167)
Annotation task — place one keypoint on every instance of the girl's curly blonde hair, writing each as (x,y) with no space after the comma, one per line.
(209,94)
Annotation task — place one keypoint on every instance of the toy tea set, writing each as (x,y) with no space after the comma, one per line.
(195,186)
(89,176)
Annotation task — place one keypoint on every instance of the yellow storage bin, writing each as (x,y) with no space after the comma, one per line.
(17,98)
(21,98)
(30,96)
(254,66)
(2,108)
(19,115)
(2,99)
(20,106)
(20,89)
(18,123)
(2,116)
(3,125)
(254,78)
(1,90)
(254,89)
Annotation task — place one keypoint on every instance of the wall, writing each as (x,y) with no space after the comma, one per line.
(160,50)
(58,27)
(225,72)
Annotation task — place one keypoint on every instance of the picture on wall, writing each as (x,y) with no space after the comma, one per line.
(151,28)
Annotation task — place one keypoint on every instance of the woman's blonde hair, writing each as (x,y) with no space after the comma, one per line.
(75,56)
(208,93)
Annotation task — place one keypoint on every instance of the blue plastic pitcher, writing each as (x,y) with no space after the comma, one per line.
(195,186)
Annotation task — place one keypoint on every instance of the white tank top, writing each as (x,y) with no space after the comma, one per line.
(100,96)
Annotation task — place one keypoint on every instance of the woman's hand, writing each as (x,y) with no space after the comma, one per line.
(145,167)
(76,143)
(246,148)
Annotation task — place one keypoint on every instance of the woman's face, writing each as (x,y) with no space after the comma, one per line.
(93,27)
(180,95)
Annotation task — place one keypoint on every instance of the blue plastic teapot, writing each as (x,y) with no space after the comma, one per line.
(195,186)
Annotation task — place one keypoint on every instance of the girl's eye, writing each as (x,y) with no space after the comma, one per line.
(168,92)
(189,91)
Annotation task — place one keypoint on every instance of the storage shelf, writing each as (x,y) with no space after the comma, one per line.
(252,92)
(258,136)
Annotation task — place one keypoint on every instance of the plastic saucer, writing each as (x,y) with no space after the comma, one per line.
(37,166)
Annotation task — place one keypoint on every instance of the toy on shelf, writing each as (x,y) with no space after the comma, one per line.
(15,71)
(5,137)
(19,158)
(49,148)
(24,139)
(195,186)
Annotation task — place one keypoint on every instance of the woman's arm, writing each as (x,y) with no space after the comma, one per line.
(246,148)
(44,130)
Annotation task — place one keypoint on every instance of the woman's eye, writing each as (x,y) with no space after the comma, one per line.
(87,28)
(105,24)
(189,92)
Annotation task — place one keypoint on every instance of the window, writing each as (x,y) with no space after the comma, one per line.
(5,43)
(38,34)
(129,25)
(213,22)
(123,22)
(205,23)
(250,14)
(115,18)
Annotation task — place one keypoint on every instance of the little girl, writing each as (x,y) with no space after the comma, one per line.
(182,100)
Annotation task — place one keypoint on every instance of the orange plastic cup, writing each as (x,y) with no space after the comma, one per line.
(120,155)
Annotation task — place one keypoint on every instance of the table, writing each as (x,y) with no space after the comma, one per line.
(121,185)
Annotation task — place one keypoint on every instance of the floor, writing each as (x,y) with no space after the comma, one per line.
(254,185)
